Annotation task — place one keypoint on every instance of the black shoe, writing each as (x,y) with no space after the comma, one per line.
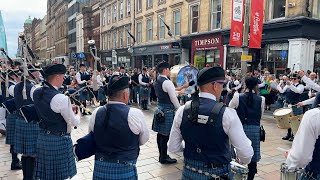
(16,166)
(287,137)
(85,113)
(291,138)
(3,132)
(167,160)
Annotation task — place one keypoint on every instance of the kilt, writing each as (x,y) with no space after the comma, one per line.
(55,159)
(164,128)
(296,111)
(101,94)
(144,92)
(84,96)
(26,135)
(10,127)
(188,174)
(253,133)
(108,170)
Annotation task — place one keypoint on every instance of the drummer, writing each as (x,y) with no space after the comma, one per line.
(310,83)
(292,97)
(305,151)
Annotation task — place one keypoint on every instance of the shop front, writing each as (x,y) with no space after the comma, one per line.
(149,56)
(207,51)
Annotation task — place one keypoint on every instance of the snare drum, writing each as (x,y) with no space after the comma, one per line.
(282,117)
(239,171)
(295,123)
(286,174)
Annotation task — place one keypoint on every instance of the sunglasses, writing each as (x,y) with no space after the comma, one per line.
(294,78)
(219,82)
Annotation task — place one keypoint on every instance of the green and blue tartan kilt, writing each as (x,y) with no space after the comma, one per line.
(144,92)
(188,174)
(101,94)
(55,159)
(26,135)
(296,111)
(10,127)
(84,96)
(253,133)
(108,170)
(164,128)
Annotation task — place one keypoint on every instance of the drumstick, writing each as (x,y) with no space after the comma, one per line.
(290,105)
(281,149)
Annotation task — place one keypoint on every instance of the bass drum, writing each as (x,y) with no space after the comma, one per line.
(182,74)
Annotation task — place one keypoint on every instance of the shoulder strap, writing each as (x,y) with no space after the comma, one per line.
(215,112)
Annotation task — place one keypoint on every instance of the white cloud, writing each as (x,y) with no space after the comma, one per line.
(14,13)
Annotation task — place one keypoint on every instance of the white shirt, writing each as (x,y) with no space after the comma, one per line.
(280,89)
(234,103)
(11,88)
(78,78)
(99,81)
(304,141)
(136,122)
(140,80)
(235,88)
(311,83)
(231,125)
(168,87)
(299,89)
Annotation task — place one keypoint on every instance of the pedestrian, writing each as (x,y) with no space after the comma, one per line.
(203,117)
(167,104)
(55,159)
(250,107)
(144,94)
(115,158)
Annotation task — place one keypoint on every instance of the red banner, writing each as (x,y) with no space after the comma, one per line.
(256,23)
(236,32)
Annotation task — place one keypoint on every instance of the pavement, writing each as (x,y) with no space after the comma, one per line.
(148,166)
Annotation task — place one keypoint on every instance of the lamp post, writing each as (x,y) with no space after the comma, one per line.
(245,48)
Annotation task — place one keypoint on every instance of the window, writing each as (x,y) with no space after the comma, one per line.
(162,2)
(215,14)
(104,12)
(109,41)
(194,17)
(139,5)
(277,9)
(114,40)
(139,32)
(114,18)
(121,9)
(316,9)
(109,15)
(120,39)
(104,42)
(161,27)
(149,29)
(128,7)
(128,37)
(149,3)
(176,23)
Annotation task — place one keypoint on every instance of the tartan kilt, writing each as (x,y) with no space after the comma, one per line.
(10,127)
(55,159)
(108,170)
(144,92)
(253,133)
(84,96)
(164,128)
(101,94)
(26,135)
(296,111)
(188,174)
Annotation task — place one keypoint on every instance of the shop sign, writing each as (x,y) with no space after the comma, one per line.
(165,47)
(246,58)
(142,49)
(174,45)
(279,47)
(207,42)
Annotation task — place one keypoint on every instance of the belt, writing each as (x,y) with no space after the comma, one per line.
(212,176)
(103,159)
(56,133)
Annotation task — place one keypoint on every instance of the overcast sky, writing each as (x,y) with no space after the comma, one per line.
(14,13)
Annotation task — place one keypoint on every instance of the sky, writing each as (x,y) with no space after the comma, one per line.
(14,13)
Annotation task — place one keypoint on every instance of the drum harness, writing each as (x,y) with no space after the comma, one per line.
(191,109)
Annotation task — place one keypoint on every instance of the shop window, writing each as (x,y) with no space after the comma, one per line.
(176,23)
(215,14)
(277,58)
(194,18)
(161,32)
(149,29)
(277,9)
(210,57)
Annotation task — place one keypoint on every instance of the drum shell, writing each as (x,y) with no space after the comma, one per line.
(239,173)
(174,73)
(286,174)
(295,123)
(283,120)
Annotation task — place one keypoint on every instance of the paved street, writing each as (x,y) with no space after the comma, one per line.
(148,165)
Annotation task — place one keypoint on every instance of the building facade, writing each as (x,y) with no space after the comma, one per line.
(43,39)
(50,29)
(3,37)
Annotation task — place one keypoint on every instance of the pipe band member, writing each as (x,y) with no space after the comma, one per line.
(144,94)
(55,158)
(203,155)
(83,78)
(167,104)
(250,107)
(118,133)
